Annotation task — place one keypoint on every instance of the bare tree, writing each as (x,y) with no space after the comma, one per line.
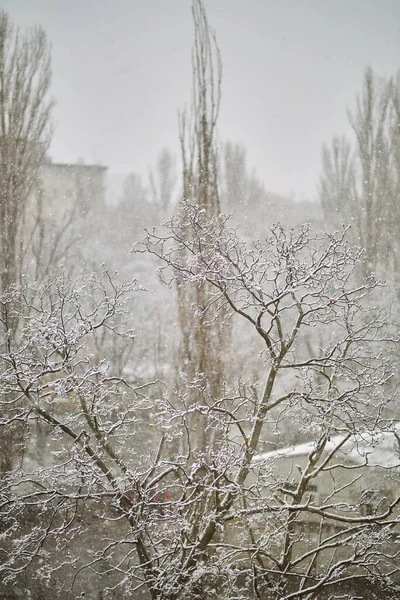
(163,181)
(25,132)
(242,190)
(203,339)
(337,185)
(234,176)
(359,183)
(134,209)
(24,137)
(198,139)
(222,518)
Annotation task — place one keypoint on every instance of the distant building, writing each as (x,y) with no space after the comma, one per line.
(59,216)
(331,507)
(376,459)
(70,187)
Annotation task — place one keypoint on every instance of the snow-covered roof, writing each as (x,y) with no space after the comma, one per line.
(381,449)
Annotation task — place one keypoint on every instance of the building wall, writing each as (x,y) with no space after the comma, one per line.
(62,205)
(71,187)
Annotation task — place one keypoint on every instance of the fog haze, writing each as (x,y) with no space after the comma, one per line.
(122,69)
(199,359)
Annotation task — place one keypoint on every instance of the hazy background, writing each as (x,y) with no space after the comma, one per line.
(122,69)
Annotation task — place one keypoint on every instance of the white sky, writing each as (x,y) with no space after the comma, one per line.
(122,69)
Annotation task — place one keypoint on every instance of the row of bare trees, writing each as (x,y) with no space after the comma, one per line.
(360,181)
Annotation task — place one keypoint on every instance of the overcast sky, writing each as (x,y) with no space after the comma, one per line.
(121,69)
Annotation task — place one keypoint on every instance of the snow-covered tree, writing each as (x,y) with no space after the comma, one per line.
(125,491)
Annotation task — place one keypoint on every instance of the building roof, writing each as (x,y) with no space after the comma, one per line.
(380,449)
(74,166)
